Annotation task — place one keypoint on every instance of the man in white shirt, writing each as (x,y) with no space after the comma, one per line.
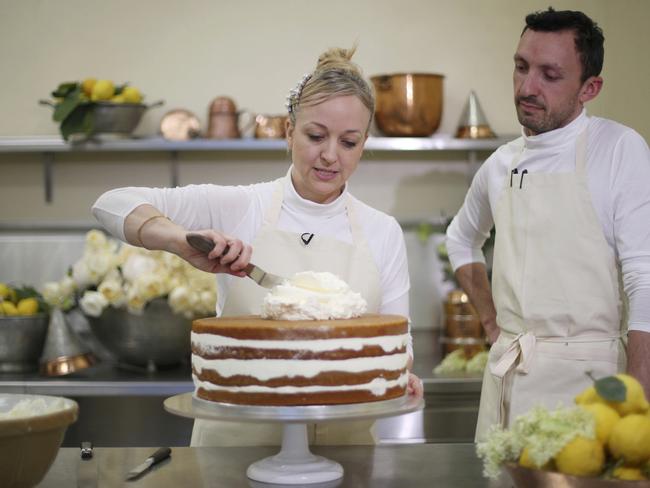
(570,202)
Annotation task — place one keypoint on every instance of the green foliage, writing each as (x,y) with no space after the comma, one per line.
(611,389)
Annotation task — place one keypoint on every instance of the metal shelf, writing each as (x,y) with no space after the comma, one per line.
(48,146)
(54,144)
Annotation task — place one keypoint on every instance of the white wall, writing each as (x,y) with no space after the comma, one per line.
(187,53)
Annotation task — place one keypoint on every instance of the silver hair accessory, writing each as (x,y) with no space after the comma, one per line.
(294,94)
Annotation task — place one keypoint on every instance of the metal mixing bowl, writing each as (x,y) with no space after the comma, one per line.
(158,337)
(117,118)
(21,342)
(30,442)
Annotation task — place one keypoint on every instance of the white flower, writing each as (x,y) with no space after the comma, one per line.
(207,302)
(95,239)
(182,300)
(113,292)
(134,301)
(59,294)
(68,286)
(99,264)
(150,286)
(81,274)
(93,303)
(137,265)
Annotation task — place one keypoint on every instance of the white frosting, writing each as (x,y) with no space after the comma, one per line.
(265,369)
(207,343)
(311,295)
(377,386)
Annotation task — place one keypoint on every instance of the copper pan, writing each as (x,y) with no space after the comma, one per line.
(408,104)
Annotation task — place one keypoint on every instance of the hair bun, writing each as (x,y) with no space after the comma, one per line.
(338,59)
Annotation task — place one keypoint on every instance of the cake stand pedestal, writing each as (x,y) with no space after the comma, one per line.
(294,464)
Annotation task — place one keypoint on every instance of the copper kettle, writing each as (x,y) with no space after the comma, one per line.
(270,126)
(224,121)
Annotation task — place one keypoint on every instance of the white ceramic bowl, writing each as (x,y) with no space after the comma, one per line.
(30,439)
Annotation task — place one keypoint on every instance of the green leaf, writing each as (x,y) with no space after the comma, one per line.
(64,89)
(120,88)
(67,106)
(611,389)
(77,121)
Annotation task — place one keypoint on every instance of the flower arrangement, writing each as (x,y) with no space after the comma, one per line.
(113,274)
(606,435)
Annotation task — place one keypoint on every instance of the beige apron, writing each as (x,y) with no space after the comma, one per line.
(286,253)
(556,291)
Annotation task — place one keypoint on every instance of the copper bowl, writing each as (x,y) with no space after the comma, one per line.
(408,104)
(537,478)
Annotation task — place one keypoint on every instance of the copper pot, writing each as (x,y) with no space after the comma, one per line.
(270,126)
(224,120)
(408,104)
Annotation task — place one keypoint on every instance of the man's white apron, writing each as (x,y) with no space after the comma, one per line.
(286,253)
(556,291)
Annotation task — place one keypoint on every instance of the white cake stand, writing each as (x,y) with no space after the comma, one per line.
(294,464)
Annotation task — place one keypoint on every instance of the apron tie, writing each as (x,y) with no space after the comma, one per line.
(521,346)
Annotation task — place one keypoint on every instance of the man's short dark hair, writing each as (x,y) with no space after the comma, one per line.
(589,37)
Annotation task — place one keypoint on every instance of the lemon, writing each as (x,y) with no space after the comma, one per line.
(526,461)
(131,94)
(635,400)
(27,306)
(8,308)
(630,439)
(581,457)
(7,292)
(102,90)
(118,99)
(587,396)
(628,473)
(87,86)
(605,418)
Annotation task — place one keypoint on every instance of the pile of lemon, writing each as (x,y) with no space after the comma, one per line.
(13,304)
(105,90)
(621,449)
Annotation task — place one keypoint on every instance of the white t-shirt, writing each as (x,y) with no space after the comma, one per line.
(618,177)
(239,211)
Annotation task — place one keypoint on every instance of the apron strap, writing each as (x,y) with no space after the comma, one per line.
(522,345)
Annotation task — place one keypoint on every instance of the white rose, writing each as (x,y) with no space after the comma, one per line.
(135,302)
(207,302)
(52,292)
(93,303)
(68,286)
(125,251)
(182,300)
(138,265)
(95,239)
(150,286)
(98,263)
(112,291)
(81,274)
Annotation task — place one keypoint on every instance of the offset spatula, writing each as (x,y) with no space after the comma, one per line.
(155,458)
(257,274)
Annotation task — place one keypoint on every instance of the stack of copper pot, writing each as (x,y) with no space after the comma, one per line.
(462,325)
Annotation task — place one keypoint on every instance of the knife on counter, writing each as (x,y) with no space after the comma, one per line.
(87,473)
(257,274)
(155,458)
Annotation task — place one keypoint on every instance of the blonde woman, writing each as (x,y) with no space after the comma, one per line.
(306,220)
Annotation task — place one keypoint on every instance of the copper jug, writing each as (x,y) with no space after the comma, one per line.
(270,126)
(223,119)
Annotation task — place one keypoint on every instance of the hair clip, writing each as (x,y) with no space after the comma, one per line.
(294,94)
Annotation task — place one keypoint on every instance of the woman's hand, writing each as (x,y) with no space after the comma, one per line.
(233,262)
(414,387)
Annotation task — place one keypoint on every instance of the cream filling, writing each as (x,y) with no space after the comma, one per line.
(266,369)
(210,342)
(377,387)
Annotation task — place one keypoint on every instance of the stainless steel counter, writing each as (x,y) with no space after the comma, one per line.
(412,466)
(130,400)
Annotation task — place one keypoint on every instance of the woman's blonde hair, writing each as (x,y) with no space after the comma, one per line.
(335,75)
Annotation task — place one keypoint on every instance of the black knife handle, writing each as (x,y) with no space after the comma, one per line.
(160,454)
(86,450)
(202,243)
